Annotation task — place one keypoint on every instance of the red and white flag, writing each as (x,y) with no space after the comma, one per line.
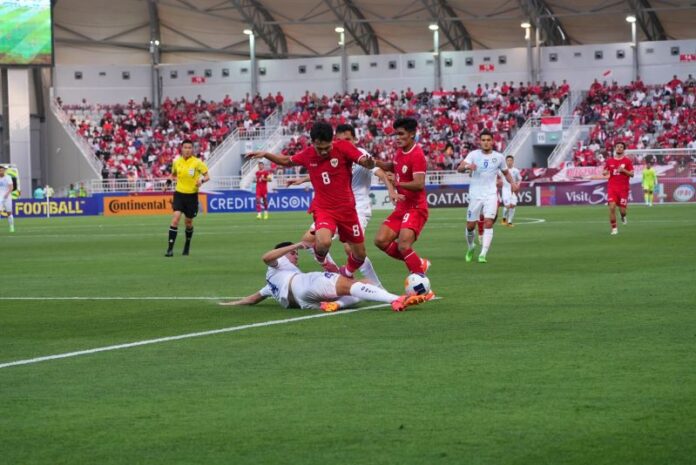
(607,73)
(551,123)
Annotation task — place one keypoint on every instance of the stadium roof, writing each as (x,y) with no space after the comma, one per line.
(195,30)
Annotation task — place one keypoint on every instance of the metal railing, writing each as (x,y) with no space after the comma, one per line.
(563,150)
(237,135)
(219,183)
(86,150)
(519,138)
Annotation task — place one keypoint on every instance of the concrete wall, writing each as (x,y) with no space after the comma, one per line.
(577,64)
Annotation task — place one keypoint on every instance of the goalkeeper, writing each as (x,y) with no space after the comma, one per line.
(649,182)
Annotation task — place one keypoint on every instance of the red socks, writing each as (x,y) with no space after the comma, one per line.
(393,251)
(413,261)
(353,264)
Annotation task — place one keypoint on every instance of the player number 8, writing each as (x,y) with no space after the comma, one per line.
(325,177)
(356,230)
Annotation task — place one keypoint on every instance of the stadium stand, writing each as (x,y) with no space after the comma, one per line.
(454,116)
(134,143)
(645,117)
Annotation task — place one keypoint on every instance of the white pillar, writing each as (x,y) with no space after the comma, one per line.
(19,109)
(436,57)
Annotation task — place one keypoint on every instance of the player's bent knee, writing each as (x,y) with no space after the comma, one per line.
(343,285)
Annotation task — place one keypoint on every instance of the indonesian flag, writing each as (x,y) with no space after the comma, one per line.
(551,124)
(607,74)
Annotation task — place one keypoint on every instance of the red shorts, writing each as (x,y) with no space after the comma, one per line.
(262,193)
(346,224)
(414,219)
(618,196)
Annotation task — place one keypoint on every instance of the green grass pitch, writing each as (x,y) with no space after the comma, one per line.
(570,346)
(25,35)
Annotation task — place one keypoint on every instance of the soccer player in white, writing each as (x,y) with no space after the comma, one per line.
(362,180)
(509,197)
(484,164)
(6,188)
(292,288)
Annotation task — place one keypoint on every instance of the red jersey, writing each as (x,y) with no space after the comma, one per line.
(406,164)
(331,176)
(262,180)
(618,180)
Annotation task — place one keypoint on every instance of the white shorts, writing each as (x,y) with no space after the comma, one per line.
(509,198)
(6,204)
(363,219)
(311,289)
(488,206)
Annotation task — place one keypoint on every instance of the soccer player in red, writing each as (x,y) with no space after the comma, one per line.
(262,178)
(619,168)
(329,164)
(402,228)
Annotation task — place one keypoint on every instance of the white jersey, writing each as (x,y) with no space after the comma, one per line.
(278,281)
(485,176)
(362,180)
(6,185)
(516,177)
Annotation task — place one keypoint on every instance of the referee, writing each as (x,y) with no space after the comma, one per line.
(189,172)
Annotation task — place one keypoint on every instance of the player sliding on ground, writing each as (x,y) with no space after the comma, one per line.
(484,164)
(329,163)
(619,168)
(362,180)
(292,288)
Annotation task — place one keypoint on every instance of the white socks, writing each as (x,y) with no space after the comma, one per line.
(346,301)
(470,238)
(510,215)
(371,292)
(368,271)
(10,220)
(487,239)
(505,213)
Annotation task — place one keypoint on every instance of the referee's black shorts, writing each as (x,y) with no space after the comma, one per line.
(186,204)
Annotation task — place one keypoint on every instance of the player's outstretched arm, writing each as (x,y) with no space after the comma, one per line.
(367,162)
(394,196)
(271,257)
(297,182)
(281,160)
(252,299)
(385,165)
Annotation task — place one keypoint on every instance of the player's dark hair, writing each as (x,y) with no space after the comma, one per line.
(186,141)
(345,127)
(409,124)
(620,143)
(282,244)
(321,131)
(449,145)
(485,132)
(509,156)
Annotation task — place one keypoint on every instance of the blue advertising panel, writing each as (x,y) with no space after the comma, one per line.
(30,208)
(243,201)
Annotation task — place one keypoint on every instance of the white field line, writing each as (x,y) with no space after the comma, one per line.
(185,336)
(117,298)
